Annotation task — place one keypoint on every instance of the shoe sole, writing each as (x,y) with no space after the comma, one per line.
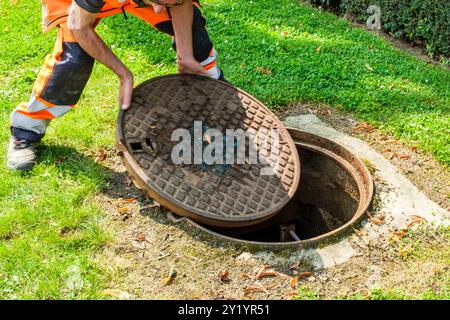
(21,167)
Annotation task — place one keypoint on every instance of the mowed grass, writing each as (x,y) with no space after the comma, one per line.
(51,227)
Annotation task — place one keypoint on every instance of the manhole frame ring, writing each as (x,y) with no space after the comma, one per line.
(360,214)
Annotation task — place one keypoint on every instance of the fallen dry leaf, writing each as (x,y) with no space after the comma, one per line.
(142,238)
(246,276)
(378,219)
(169,279)
(258,273)
(224,276)
(405,157)
(276,283)
(395,234)
(129,200)
(256,287)
(122,210)
(100,155)
(264,70)
(400,233)
(291,294)
(415,219)
(295,265)
(363,127)
(362,233)
(269,274)
(122,295)
(262,272)
(300,276)
(318,48)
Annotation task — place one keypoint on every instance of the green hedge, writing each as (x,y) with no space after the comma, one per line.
(426,22)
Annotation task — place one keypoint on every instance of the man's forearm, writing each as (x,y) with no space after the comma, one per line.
(91,42)
(182,19)
(81,24)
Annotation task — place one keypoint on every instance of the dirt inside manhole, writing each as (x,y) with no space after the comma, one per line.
(335,193)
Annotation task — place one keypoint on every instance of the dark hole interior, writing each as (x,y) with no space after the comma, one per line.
(136,146)
(148,143)
(326,199)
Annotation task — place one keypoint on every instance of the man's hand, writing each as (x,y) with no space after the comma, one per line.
(126,91)
(182,22)
(190,65)
(182,19)
(81,24)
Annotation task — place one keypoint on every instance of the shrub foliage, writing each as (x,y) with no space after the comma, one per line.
(424,22)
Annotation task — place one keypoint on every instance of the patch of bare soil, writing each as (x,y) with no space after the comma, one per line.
(155,258)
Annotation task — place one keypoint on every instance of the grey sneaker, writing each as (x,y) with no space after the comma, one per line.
(22,154)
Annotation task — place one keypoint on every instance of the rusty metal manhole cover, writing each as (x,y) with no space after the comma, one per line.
(226,195)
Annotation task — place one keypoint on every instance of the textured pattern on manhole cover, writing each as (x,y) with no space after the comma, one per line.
(223,195)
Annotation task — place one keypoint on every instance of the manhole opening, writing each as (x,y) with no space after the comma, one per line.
(327,199)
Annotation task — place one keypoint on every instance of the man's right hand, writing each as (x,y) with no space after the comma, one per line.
(126,90)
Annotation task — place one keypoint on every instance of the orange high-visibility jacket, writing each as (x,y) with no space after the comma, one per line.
(55,12)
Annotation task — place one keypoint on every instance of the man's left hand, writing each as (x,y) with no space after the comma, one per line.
(190,65)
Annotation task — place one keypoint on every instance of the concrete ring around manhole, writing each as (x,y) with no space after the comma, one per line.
(178,123)
(336,192)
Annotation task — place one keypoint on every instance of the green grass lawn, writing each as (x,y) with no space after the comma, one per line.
(281,52)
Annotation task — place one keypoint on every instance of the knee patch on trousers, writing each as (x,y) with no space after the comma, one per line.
(69,76)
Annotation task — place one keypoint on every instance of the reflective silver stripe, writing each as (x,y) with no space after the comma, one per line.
(214,72)
(21,121)
(210,59)
(59,111)
(34,105)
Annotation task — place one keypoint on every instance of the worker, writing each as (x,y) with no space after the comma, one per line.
(66,71)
